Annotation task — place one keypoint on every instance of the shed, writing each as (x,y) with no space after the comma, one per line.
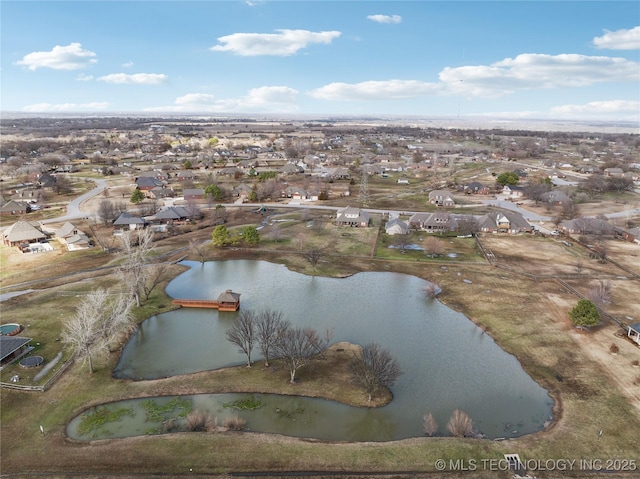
(11,347)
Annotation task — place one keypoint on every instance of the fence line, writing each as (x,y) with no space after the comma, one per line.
(49,382)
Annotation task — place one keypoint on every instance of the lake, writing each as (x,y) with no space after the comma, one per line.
(448,362)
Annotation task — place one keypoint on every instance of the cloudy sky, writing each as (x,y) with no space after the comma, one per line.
(511,59)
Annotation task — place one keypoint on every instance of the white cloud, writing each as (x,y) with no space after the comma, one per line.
(195,99)
(385,18)
(128,64)
(263,99)
(534,71)
(69,57)
(65,107)
(83,77)
(284,43)
(615,107)
(619,40)
(136,78)
(375,90)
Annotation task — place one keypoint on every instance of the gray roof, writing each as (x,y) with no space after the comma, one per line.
(128,219)
(173,213)
(10,344)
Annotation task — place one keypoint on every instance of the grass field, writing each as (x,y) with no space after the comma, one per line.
(521,306)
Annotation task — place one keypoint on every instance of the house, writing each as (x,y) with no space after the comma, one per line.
(441,198)
(352,217)
(160,192)
(71,236)
(193,194)
(588,225)
(555,197)
(45,180)
(291,169)
(13,207)
(418,220)
(396,226)
(127,221)
(340,173)
(186,175)
(440,222)
(174,215)
(476,188)
(147,183)
(634,333)
(512,192)
(22,233)
(242,191)
(613,172)
(504,221)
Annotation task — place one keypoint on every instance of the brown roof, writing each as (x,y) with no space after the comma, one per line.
(229,297)
(21,231)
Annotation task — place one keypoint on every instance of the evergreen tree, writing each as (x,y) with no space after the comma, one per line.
(137,196)
(585,313)
(220,236)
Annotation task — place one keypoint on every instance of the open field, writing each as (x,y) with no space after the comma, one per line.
(518,303)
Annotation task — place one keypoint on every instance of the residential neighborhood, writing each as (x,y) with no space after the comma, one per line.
(491,218)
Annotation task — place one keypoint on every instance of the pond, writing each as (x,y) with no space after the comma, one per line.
(448,362)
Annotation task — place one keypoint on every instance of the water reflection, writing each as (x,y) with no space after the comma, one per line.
(448,362)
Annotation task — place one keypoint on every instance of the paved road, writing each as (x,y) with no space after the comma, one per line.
(74,210)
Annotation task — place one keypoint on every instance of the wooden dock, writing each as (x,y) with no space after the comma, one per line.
(227,301)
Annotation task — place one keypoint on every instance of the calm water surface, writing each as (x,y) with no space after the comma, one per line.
(448,362)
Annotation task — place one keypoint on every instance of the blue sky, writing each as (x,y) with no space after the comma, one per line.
(509,59)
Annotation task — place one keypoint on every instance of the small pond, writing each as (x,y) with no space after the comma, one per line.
(448,362)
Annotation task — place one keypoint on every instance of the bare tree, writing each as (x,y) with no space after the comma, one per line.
(374,368)
(107,212)
(154,275)
(99,320)
(269,326)
(430,424)
(149,207)
(136,245)
(313,256)
(401,241)
(199,249)
(433,246)
(296,347)
(243,333)
(460,424)
(579,266)
(600,294)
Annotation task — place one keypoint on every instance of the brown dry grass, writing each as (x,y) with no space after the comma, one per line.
(527,317)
